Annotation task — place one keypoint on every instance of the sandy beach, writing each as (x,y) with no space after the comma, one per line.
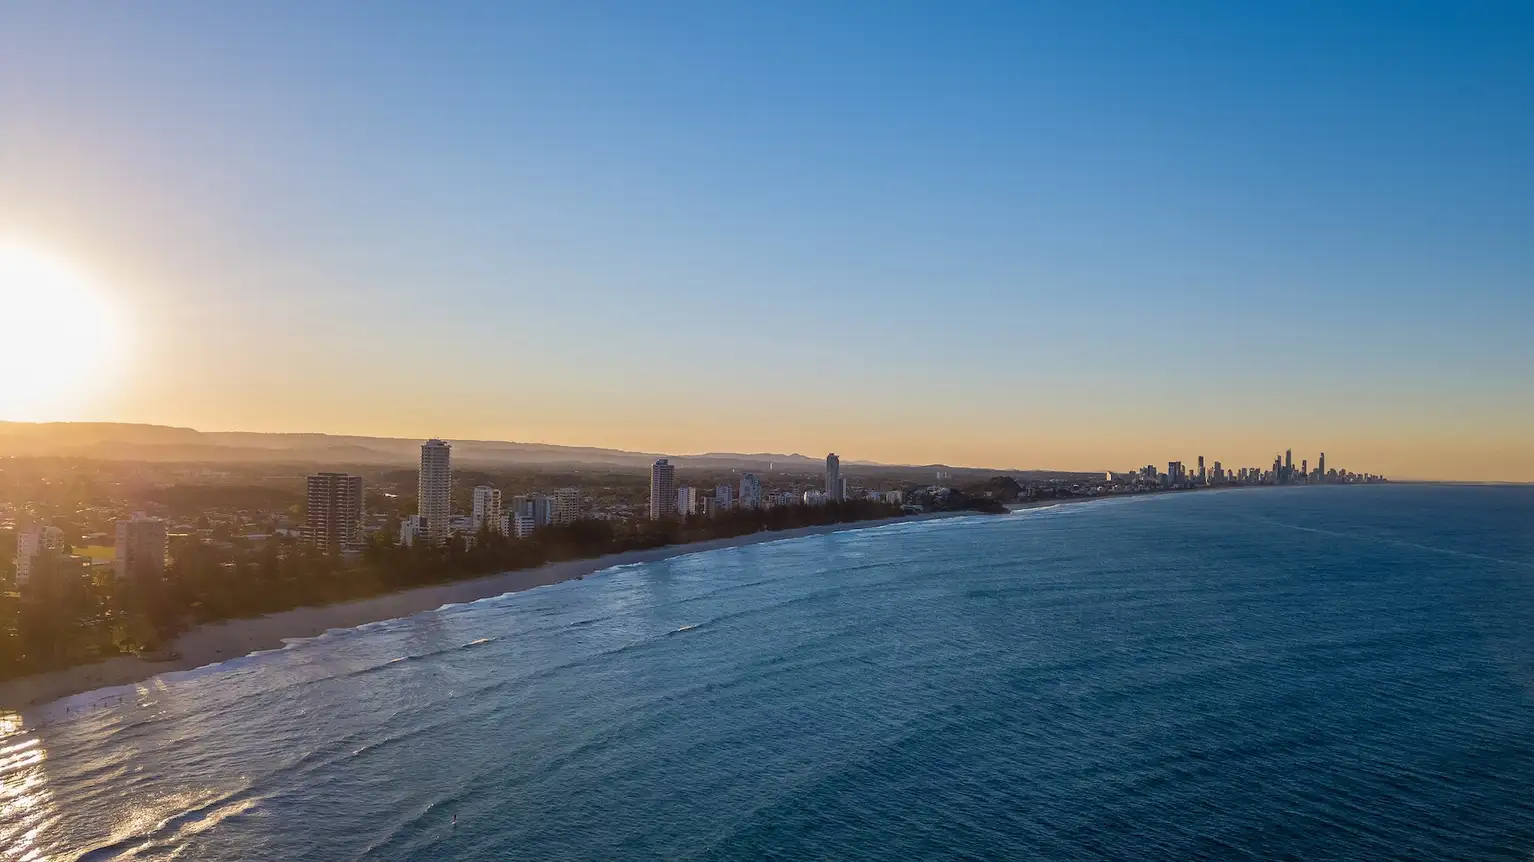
(217,642)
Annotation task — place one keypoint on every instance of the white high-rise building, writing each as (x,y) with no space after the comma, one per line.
(750,491)
(141,548)
(567,506)
(687,500)
(662,490)
(334,520)
(724,497)
(434,490)
(411,529)
(522,526)
(486,514)
(31,542)
(833,477)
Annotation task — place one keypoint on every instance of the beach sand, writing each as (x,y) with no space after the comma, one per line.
(217,642)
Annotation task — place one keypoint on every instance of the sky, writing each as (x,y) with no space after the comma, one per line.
(1069,235)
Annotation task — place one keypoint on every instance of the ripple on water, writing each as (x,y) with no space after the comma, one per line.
(1324,673)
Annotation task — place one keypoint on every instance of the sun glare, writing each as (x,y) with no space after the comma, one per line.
(58,337)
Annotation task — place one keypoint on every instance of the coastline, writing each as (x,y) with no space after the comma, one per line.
(213,643)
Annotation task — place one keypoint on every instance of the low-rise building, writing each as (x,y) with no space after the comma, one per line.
(522,526)
(413,528)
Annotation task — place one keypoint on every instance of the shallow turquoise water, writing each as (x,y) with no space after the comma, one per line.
(1340,672)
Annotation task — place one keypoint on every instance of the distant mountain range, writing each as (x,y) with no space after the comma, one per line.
(128,442)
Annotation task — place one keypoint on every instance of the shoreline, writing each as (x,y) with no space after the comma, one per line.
(213,643)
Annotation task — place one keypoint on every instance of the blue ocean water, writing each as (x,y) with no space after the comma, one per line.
(1322,673)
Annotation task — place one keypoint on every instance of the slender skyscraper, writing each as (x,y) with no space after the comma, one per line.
(434,490)
(1321,467)
(833,477)
(662,490)
(1203,478)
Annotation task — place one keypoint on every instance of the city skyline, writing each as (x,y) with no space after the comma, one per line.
(1092,237)
(577,454)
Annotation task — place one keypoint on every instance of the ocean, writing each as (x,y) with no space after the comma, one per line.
(1305,673)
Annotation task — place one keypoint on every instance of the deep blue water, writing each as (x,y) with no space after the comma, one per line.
(1322,673)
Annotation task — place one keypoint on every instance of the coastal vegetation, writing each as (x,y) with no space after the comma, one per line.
(71,615)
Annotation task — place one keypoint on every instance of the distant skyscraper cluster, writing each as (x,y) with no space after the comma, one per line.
(1282,472)
(489,511)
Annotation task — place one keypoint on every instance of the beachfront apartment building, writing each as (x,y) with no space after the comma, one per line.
(833,477)
(485,513)
(140,552)
(30,544)
(750,491)
(538,508)
(783,498)
(662,489)
(412,528)
(334,519)
(567,506)
(522,526)
(434,490)
(687,500)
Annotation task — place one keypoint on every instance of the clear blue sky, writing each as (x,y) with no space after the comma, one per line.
(1068,234)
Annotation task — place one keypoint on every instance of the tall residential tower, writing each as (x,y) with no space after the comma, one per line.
(434,490)
(833,477)
(662,490)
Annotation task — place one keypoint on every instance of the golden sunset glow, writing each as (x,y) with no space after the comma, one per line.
(59,340)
